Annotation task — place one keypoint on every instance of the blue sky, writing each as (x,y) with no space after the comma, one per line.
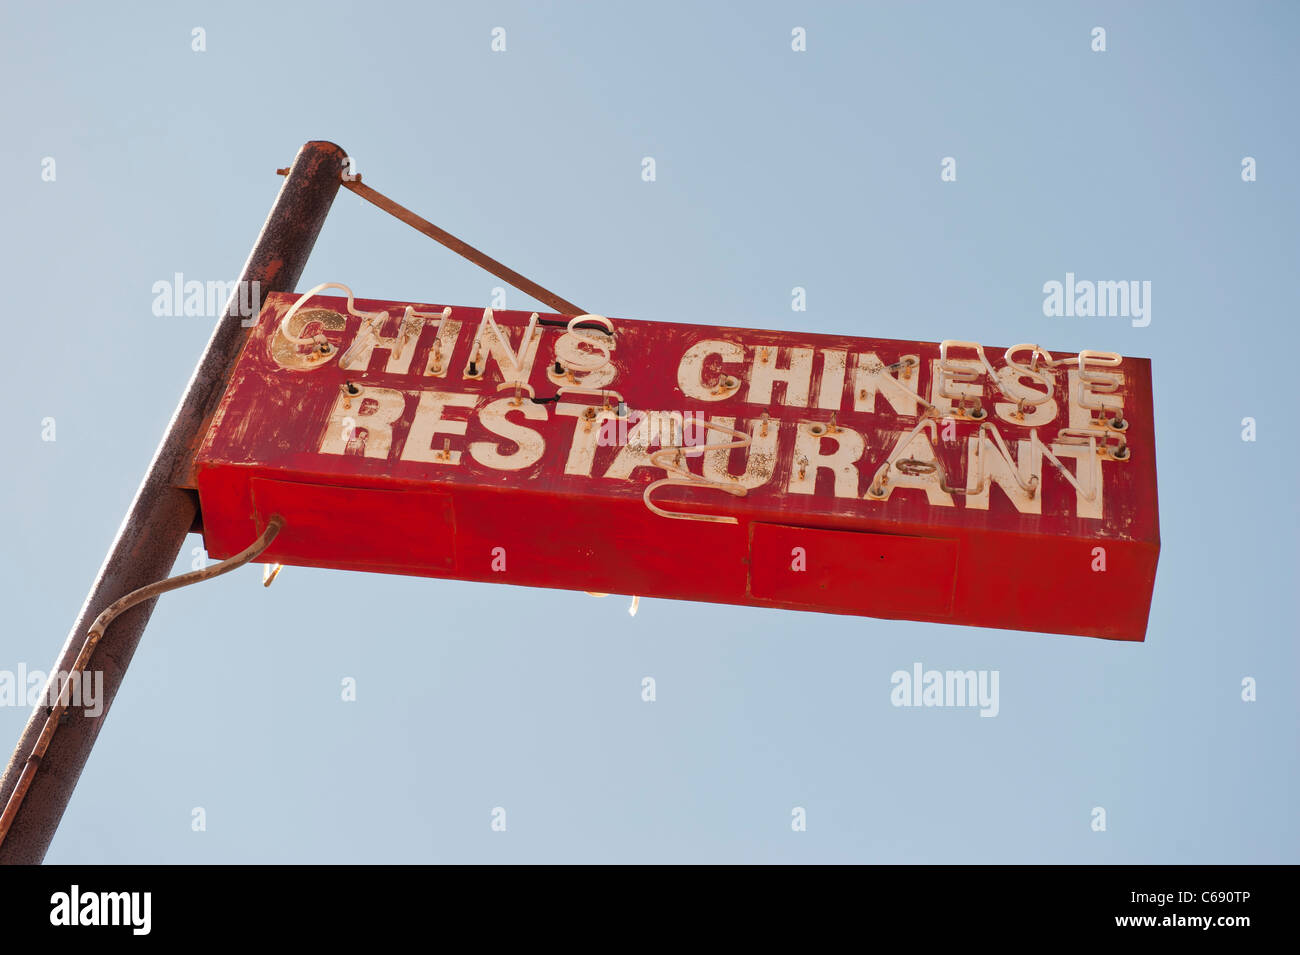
(775,169)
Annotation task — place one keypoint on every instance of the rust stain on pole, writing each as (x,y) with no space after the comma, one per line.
(164,510)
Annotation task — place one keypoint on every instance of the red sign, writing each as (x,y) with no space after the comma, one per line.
(944,482)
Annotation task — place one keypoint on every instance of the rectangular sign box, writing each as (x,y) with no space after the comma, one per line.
(944,482)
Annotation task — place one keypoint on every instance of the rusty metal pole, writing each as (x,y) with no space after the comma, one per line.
(162,513)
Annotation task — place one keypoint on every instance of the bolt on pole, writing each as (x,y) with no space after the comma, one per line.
(163,513)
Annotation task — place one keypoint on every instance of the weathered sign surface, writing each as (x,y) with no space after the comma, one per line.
(942,482)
